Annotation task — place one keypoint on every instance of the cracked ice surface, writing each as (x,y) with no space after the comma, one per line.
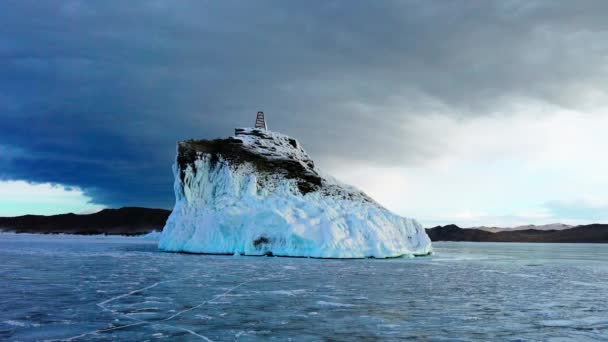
(119,288)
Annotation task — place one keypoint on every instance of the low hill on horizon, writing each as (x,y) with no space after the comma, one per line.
(140,221)
(122,221)
(550,226)
(592,233)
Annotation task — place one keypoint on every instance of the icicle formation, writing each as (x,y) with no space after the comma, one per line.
(258,193)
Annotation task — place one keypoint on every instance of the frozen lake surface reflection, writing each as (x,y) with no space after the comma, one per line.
(121,288)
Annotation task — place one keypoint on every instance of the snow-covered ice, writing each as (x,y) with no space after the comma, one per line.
(229,207)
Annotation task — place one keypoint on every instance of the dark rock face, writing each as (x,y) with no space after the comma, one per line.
(269,153)
(233,151)
(260,241)
(123,221)
(594,233)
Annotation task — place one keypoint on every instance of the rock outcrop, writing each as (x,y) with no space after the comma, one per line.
(259,193)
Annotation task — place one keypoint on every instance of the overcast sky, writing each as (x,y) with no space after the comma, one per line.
(472,112)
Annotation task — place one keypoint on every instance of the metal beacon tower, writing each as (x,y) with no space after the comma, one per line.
(260,122)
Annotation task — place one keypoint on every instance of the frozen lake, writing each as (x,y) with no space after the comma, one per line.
(109,288)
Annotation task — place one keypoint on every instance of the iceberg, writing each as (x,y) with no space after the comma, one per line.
(259,193)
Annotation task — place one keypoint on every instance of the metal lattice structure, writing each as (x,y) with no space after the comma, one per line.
(260,122)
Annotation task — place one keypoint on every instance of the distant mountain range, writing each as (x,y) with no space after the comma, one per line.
(138,221)
(123,221)
(593,233)
(551,226)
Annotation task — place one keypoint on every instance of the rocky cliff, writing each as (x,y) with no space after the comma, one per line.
(259,193)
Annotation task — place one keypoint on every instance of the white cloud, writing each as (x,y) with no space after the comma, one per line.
(21,198)
(497,169)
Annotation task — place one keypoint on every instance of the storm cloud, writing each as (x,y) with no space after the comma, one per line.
(95,94)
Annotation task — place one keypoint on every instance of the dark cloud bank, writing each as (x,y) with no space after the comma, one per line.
(96,93)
